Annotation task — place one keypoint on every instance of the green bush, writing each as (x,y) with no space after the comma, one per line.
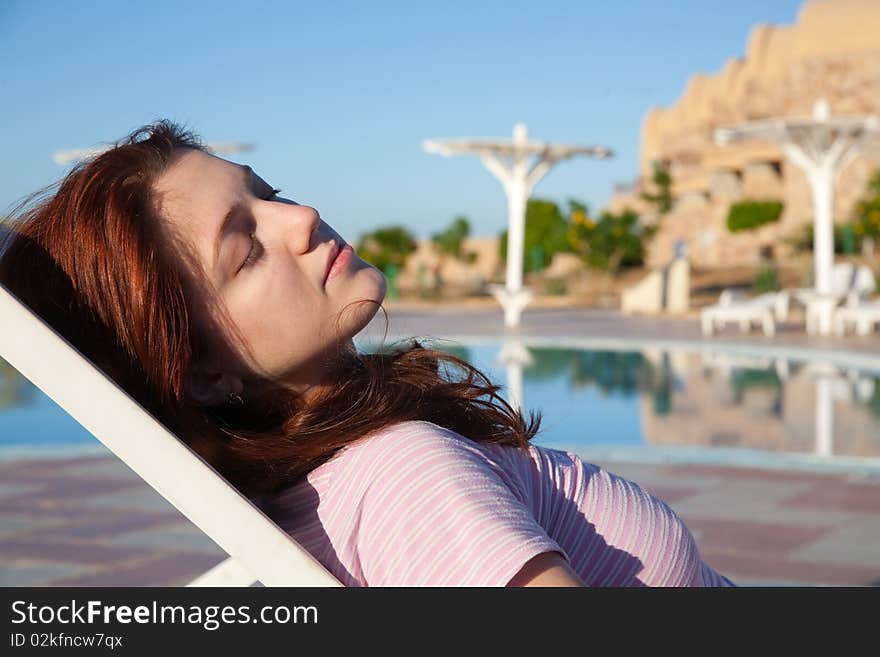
(767,280)
(556,286)
(613,242)
(748,215)
(450,241)
(847,238)
(544,235)
(386,246)
(662,180)
(867,210)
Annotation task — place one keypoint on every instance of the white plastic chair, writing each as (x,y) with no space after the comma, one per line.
(860,312)
(847,282)
(259,550)
(846,277)
(732,306)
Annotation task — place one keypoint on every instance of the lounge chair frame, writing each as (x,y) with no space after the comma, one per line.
(259,549)
(765,309)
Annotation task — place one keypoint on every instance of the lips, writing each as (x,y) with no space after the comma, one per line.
(334,251)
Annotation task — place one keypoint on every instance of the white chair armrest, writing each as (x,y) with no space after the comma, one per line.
(729,295)
(855,298)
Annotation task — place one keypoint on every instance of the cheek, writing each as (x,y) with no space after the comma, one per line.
(285,297)
(284,311)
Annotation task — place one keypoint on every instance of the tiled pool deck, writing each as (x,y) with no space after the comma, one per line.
(89,520)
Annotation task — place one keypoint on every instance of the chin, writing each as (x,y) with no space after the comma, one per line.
(365,300)
(383,285)
(379,284)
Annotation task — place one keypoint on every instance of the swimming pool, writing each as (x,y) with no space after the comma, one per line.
(606,404)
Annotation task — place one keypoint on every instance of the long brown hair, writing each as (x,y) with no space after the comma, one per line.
(92,260)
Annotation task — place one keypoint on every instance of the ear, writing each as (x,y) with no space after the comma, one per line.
(211,388)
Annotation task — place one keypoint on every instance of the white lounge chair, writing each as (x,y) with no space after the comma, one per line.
(765,309)
(846,279)
(259,550)
(858,311)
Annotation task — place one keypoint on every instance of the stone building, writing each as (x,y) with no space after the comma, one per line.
(831,51)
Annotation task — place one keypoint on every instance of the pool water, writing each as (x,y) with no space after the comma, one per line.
(615,402)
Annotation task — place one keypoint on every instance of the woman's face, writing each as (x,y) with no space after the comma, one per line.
(272,286)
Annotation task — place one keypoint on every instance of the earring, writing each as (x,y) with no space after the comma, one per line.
(234,400)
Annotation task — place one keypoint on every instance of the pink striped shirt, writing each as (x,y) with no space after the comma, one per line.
(421,505)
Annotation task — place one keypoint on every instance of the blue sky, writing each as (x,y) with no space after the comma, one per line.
(338,96)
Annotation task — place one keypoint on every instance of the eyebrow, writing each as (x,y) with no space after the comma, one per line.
(246,172)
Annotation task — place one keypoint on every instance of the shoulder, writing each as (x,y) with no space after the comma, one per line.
(403,435)
(413,443)
(421,468)
(644,526)
(404,453)
(437,510)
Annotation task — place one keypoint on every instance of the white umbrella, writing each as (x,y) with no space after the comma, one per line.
(76,154)
(518,175)
(822,146)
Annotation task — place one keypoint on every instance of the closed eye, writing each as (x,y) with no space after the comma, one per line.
(256,250)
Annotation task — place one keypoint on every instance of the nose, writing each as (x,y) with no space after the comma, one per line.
(299,227)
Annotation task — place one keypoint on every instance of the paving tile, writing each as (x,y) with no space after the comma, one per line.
(40,469)
(179,537)
(671,494)
(109,468)
(81,487)
(864,477)
(32,504)
(774,568)
(62,495)
(634,471)
(15,490)
(727,472)
(68,512)
(747,581)
(715,535)
(858,545)
(839,495)
(64,551)
(734,499)
(143,499)
(39,574)
(11,525)
(744,516)
(101,527)
(721,504)
(175,569)
(646,476)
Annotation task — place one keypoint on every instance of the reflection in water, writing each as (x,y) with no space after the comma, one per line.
(611,372)
(514,356)
(769,404)
(712,399)
(616,398)
(832,385)
(743,380)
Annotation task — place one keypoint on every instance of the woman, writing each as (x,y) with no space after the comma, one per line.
(228,312)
